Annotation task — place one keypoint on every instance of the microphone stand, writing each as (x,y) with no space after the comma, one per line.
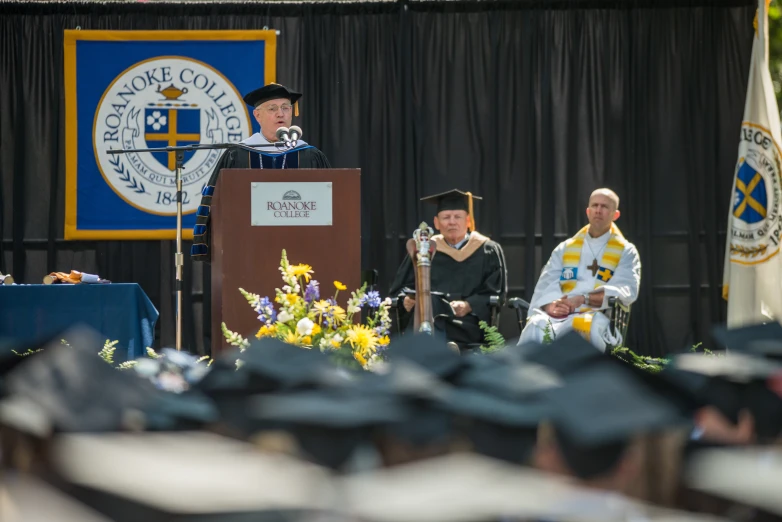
(179,258)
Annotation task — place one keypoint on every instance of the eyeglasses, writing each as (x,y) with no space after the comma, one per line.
(274,108)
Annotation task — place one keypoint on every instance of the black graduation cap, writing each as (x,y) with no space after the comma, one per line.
(454,199)
(565,355)
(272,91)
(328,424)
(71,389)
(599,411)
(427,351)
(502,407)
(739,338)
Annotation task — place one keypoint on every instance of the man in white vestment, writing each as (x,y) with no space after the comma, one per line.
(582,273)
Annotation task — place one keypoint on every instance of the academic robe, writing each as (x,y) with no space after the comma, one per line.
(472,273)
(303,157)
(624,284)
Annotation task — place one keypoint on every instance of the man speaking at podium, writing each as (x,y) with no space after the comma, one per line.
(273,107)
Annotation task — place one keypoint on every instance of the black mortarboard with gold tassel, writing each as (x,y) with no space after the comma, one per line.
(455,200)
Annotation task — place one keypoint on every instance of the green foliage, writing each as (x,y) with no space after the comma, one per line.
(494,339)
(650,364)
(548,333)
(107,352)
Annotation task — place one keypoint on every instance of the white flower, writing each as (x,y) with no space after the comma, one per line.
(304,326)
(284,317)
(352,309)
(338,338)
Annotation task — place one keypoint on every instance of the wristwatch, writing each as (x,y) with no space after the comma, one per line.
(586,299)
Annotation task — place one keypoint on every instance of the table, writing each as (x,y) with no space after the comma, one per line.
(119,311)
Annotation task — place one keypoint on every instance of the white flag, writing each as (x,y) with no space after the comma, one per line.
(752,282)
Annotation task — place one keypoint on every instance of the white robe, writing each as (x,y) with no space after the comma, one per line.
(624,284)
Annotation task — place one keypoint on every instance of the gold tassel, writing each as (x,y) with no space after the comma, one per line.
(296,109)
(470,211)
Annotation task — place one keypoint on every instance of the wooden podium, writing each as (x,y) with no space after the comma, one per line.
(257,213)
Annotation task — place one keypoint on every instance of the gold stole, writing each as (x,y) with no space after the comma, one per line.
(571,259)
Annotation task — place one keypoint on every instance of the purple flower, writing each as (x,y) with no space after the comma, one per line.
(265,311)
(312,292)
(371,298)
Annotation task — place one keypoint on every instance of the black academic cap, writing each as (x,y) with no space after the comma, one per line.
(328,424)
(186,476)
(453,199)
(429,352)
(71,389)
(272,91)
(604,404)
(566,354)
(740,339)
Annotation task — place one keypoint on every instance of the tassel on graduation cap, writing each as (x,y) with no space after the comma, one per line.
(455,200)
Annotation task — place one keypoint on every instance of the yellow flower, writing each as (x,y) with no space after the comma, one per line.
(266,331)
(339,286)
(335,343)
(360,358)
(306,340)
(321,308)
(362,338)
(292,298)
(316,329)
(300,270)
(292,338)
(339,313)
(384,340)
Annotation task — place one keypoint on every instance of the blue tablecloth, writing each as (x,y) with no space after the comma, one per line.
(120,312)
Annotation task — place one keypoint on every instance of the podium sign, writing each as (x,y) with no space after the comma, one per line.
(290,204)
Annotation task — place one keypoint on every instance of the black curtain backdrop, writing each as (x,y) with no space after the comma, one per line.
(531,105)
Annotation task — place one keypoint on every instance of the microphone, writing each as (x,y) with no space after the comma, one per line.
(282,134)
(295,133)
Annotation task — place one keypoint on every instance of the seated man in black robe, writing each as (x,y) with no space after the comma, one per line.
(467,270)
(273,107)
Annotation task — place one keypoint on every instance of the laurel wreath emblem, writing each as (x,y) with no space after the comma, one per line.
(748,251)
(124,175)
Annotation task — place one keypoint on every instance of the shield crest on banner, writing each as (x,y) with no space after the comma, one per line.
(170,127)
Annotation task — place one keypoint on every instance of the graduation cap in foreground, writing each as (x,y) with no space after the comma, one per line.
(742,339)
(329,425)
(469,488)
(429,352)
(272,91)
(454,199)
(24,498)
(186,476)
(71,389)
(600,410)
(748,475)
(565,355)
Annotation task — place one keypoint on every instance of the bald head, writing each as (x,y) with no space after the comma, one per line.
(610,194)
(603,210)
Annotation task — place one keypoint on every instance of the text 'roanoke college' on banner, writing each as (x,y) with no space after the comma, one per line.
(150,89)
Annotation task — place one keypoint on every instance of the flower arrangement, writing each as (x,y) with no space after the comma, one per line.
(300,317)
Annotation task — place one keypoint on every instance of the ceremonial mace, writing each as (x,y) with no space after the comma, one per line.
(421,250)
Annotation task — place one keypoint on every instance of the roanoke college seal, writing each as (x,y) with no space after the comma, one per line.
(757,197)
(162,102)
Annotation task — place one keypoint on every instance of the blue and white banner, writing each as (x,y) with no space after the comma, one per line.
(148,89)
(752,281)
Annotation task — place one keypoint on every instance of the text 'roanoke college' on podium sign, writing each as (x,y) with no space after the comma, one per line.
(290,204)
